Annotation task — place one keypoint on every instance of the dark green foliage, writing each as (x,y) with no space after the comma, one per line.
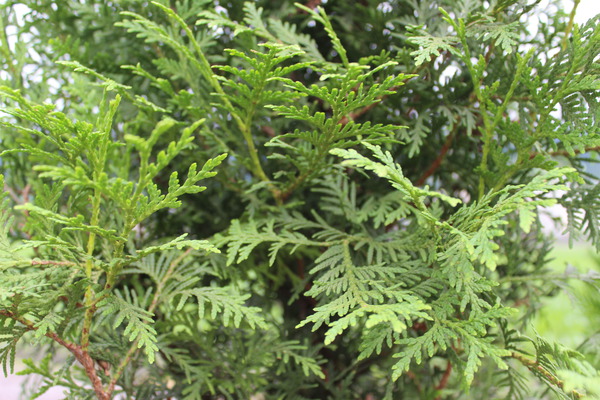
(368,226)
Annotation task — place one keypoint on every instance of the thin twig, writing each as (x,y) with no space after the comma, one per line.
(537,368)
(570,25)
(51,262)
(12,194)
(80,355)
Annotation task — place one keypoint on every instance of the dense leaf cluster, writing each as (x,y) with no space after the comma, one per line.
(373,175)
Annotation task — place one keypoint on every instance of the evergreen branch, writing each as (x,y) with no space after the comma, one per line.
(476,74)
(394,269)
(155,301)
(521,64)
(124,305)
(569,27)
(51,262)
(537,368)
(80,354)
(289,351)
(391,171)
(243,238)
(206,70)
(71,223)
(354,115)
(320,15)
(108,84)
(98,173)
(231,306)
(566,153)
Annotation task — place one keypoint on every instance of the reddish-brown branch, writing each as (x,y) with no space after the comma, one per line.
(16,199)
(415,379)
(82,356)
(444,381)
(290,189)
(312,4)
(438,160)
(269,131)
(358,113)
(285,194)
(22,200)
(25,196)
(12,194)
(361,111)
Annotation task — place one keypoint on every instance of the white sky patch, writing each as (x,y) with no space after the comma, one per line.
(385,7)
(587,9)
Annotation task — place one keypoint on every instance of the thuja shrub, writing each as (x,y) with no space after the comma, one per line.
(268,200)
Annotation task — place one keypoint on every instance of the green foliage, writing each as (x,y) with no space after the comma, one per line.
(368,225)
